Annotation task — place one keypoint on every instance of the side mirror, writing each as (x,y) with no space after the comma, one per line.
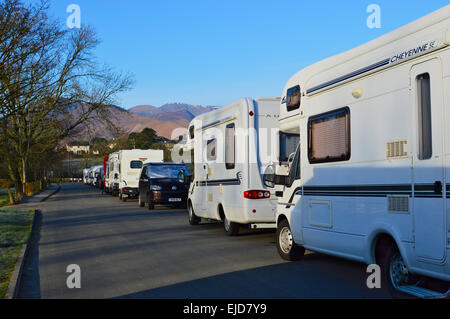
(269,176)
(184,178)
(181,176)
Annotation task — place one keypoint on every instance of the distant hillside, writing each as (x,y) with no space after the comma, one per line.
(144,110)
(162,119)
(172,112)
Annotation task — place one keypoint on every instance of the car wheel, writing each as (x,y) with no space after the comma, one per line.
(286,246)
(141,203)
(193,219)
(231,228)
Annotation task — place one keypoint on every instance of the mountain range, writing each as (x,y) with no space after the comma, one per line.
(162,119)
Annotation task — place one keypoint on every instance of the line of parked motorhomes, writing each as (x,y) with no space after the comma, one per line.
(352,161)
(141,174)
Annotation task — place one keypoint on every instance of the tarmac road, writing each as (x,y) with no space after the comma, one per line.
(129,252)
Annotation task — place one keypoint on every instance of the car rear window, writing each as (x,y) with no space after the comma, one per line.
(136,164)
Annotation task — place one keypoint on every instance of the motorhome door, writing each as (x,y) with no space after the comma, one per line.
(429,161)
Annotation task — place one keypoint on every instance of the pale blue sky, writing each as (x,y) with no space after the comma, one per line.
(214,52)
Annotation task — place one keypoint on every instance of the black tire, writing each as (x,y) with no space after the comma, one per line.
(393,269)
(120,195)
(286,246)
(231,228)
(141,203)
(193,219)
(151,206)
(124,199)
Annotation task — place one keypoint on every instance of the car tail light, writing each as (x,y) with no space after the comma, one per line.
(255,194)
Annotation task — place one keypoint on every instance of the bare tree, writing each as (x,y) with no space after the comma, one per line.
(50,84)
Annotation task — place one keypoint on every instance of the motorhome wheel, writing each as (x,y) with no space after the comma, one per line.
(286,246)
(232,229)
(193,219)
(395,271)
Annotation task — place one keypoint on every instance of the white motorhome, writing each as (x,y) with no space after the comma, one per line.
(370,180)
(231,148)
(97,173)
(130,163)
(112,174)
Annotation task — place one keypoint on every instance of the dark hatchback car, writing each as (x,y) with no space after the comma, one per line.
(159,184)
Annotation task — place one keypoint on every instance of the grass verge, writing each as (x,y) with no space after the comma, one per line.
(15,226)
(4,200)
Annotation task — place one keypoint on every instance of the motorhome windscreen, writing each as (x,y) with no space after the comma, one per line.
(136,164)
(288,145)
(165,171)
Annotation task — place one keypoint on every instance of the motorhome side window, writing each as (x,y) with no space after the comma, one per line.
(211,150)
(230,146)
(424,116)
(288,145)
(293,98)
(329,137)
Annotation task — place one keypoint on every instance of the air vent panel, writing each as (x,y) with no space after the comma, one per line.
(398,204)
(397,149)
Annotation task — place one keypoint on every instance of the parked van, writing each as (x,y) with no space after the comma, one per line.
(370,178)
(130,166)
(159,184)
(231,147)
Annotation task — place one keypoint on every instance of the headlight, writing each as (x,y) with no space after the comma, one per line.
(155,188)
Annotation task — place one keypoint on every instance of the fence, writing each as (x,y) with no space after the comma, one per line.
(32,188)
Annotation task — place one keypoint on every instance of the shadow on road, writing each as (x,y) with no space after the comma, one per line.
(310,278)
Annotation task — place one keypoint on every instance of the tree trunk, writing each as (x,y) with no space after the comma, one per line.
(12,201)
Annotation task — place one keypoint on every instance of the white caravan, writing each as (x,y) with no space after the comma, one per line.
(130,165)
(370,180)
(232,146)
(112,174)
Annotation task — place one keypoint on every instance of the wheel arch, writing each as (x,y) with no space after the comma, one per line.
(281,217)
(379,237)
